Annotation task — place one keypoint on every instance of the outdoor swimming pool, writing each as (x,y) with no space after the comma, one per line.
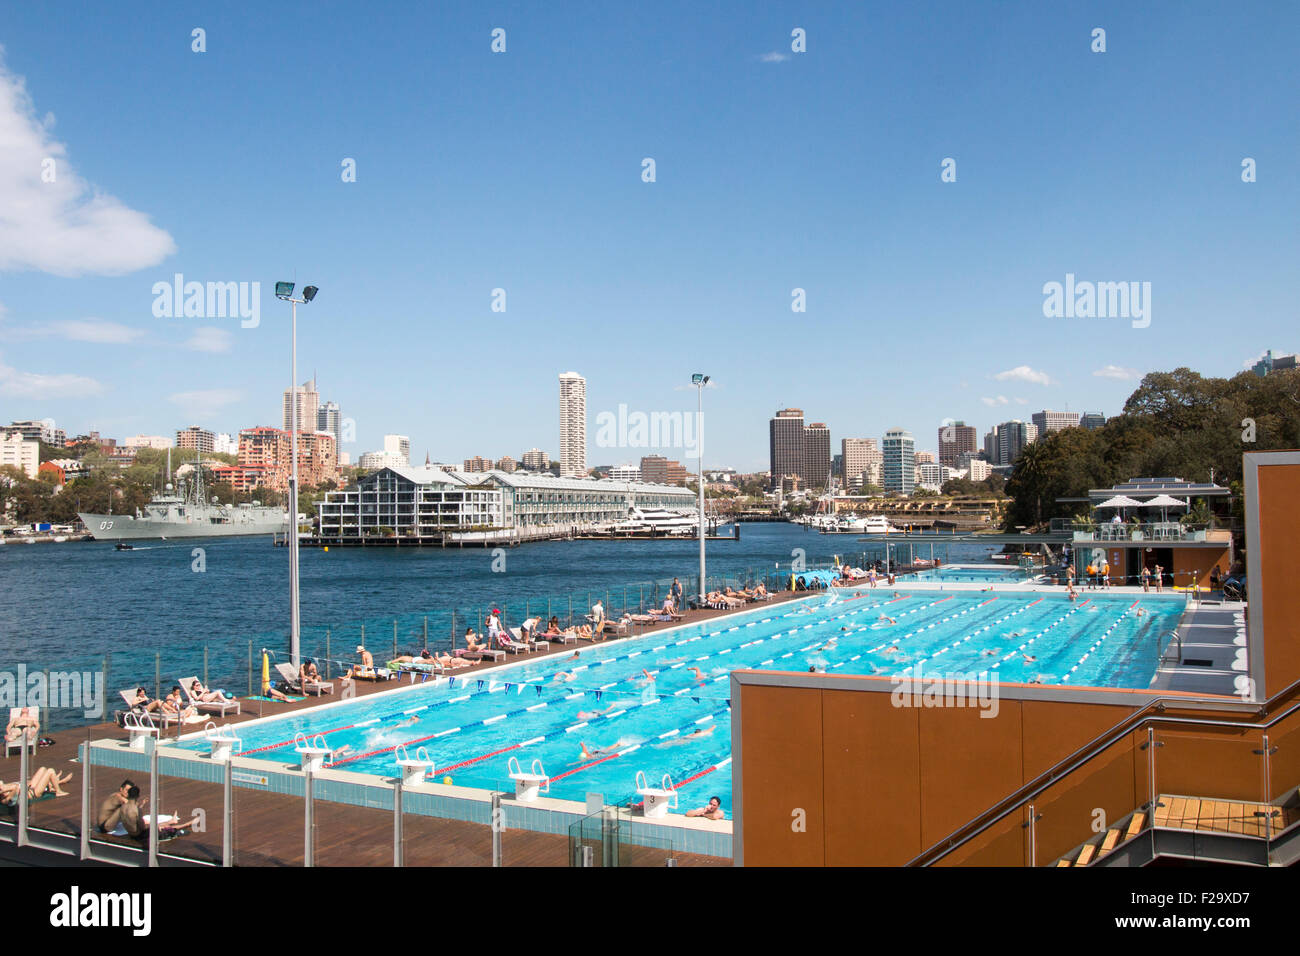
(971,575)
(680,723)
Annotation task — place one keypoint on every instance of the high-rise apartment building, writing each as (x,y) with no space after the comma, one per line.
(785,431)
(924,458)
(507,464)
(42,430)
(198,438)
(956,440)
(898,472)
(816,469)
(1006,441)
(308,400)
(536,460)
(625,473)
(1092,420)
(329,419)
(398,446)
(1049,421)
(21,453)
(799,451)
(477,464)
(269,452)
(573,425)
(859,455)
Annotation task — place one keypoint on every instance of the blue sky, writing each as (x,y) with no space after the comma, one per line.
(522,170)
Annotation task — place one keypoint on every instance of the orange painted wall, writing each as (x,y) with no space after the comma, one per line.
(1279,521)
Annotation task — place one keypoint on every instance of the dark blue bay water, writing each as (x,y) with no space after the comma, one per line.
(66,606)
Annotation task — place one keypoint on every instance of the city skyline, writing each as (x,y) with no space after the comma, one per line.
(923,299)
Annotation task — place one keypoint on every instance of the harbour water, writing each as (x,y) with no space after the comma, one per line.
(155,610)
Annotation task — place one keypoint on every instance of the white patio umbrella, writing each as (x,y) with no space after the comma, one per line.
(1120,501)
(1164,502)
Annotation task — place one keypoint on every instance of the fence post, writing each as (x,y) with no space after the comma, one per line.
(496,828)
(84,754)
(228,814)
(308,855)
(205,665)
(327,653)
(155,798)
(24,774)
(397,826)
(157,675)
(394,637)
(250,668)
(426,632)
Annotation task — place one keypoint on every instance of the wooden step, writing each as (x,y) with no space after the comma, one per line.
(1108,844)
(1063,862)
(1085,855)
(1135,824)
(1160,813)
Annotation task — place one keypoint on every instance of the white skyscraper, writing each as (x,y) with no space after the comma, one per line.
(398,445)
(308,404)
(573,424)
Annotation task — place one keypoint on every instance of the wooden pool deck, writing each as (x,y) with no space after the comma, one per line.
(268,828)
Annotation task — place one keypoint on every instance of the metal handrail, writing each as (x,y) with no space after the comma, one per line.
(1082,756)
(1164,656)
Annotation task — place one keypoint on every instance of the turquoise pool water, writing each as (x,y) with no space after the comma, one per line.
(680,722)
(990,575)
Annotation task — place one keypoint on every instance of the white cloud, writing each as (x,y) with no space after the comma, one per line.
(205,404)
(209,338)
(774,57)
(93,330)
(1023,373)
(991,402)
(37,385)
(1118,372)
(1021,401)
(65,226)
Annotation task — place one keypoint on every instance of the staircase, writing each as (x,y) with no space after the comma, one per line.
(1208,830)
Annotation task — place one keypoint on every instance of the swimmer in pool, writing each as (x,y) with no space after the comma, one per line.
(644,681)
(687,738)
(613,748)
(408,722)
(1029,658)
(672,660)
(696,673)
(885,618)
(990,652)
(593,714)
(563,677)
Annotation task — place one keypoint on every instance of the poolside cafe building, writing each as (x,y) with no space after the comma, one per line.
(1143,523)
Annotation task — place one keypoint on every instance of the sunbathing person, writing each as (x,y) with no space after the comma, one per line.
(364,670)
(44,780)
(174,709)
(760,591)
(552,627)
(143,704)
(110,810)
(473,642)
(201,693)
(23,723)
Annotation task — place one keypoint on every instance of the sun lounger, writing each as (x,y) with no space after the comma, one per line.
(221,707)
(508,643)
(23,737)
(483,653)
(290,678)
(536,643)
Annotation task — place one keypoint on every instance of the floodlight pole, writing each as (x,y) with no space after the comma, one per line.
(699,447)
(294,615)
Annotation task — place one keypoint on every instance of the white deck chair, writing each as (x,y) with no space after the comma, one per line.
(23,738)
(221,707)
